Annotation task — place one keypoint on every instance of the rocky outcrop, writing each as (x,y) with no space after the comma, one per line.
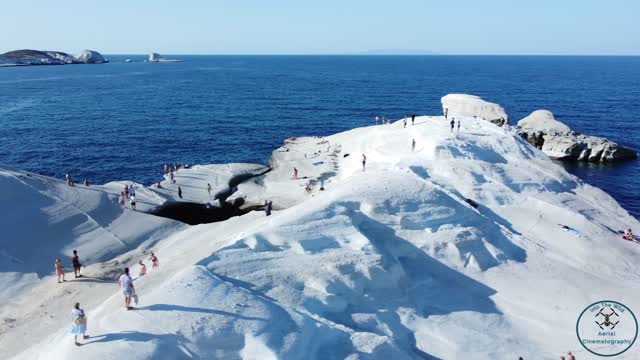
(558,141)
(63,57)
(155,57)
(37,57)
(473,106)
(91,57)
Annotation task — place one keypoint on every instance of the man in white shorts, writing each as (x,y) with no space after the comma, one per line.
(126,284)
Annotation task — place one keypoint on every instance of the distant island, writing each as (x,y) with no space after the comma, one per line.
(37,57)
(155,57)
(395,52)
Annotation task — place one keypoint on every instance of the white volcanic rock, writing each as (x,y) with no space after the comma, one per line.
(64,57)
(471,105)
(558,141)
(453,250)
(543,120)
(155,57)
(91,57)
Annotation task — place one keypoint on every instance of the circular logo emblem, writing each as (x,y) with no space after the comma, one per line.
(607,328)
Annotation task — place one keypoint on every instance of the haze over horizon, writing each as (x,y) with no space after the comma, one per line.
(461,27)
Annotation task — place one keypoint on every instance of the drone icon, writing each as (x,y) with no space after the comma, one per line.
(607,319)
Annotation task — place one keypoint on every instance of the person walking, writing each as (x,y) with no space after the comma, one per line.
(75,260)
(413,144)
(126,285)
(209,188)
(59,270)
(122,197)
(413,119)
(143,269)
(453,122)
(133,202)
(79,325)
(458,124)
(364,161)
(179,192)
(154,261)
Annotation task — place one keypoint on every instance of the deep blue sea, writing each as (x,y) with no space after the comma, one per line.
(125,120)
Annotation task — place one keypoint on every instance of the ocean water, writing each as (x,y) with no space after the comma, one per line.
(122,120)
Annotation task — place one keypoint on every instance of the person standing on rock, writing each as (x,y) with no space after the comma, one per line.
(404,122)
(122,198)
(126,191)
(143,269)
(413,119)
(79,325)
(458,124)
(453,122)
(154,261)
(75,260)
(267,208)
(133,202)
(126,285)
(59,270)
(132,190)
(69,180)
(179,192)
(209,188)
(295,173)
(364,161)
(413,144)
(166,169)
(446,113)
(86,183)
(171,177)
(570,356)
(377,119)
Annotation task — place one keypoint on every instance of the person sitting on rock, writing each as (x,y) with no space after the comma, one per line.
(628,235)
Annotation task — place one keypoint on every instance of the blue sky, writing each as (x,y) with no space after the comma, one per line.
(595,27)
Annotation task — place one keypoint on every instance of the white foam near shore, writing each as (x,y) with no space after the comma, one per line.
(393,262)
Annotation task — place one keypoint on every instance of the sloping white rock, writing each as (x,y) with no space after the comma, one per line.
(543,120)
(471,105)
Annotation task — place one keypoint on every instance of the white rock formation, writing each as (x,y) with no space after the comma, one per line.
(543,120)
(394,262)
(558,141)
(470,106)
(91,57)
(155,57)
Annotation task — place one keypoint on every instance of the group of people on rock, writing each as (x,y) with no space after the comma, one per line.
(125,282)
(70,182)
(75,262)
(129,193)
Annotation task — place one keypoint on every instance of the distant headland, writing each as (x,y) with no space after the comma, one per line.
(37,57)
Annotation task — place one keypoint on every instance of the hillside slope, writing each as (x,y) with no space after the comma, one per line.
(453,249)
